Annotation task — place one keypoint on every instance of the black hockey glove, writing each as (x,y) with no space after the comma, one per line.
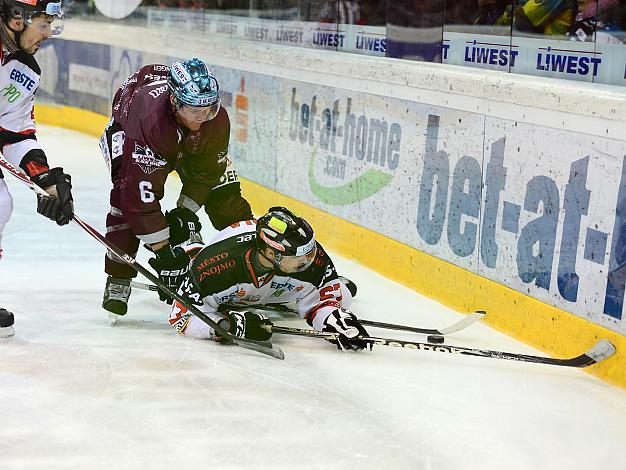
(349,330)
(171,265)
(61,208)
(249,325)
(184,225)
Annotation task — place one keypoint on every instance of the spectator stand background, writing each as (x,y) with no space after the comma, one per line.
(572,39)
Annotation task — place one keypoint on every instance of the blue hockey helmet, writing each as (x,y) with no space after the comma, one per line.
(192,83)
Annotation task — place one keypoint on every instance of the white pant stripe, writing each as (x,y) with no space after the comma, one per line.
(117,228)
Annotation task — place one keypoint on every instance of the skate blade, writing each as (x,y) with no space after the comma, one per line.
(7,332)
(113,319)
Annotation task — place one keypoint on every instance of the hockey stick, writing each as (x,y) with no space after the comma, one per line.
(600,351)
(141,285)
(262,347)
(469,319)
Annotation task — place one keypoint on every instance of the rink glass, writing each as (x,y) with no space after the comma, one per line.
(448,31)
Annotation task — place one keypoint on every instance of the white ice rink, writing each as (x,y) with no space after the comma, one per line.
(76,393)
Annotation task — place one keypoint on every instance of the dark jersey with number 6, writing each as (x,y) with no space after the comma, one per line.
(144,143)
(223,275)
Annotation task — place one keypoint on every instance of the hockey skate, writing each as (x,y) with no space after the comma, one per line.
(6,324)
(116,294)
(351,286)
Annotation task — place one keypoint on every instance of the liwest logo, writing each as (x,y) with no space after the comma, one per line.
(227,27)
(451,199)
(256,33)
(445,48)
(491,54)
(329,38)
(286,34)
(566,61)
(369,42)
(361,137)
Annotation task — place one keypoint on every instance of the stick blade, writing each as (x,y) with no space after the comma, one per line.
(602,350)
(464,323)
(266,348)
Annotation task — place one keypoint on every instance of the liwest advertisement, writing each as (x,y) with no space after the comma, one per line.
(599,59)
(557,58)
(360,39)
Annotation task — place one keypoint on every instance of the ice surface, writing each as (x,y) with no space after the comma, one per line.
(79,394)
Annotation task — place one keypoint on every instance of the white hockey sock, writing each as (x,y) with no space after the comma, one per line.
(6,207)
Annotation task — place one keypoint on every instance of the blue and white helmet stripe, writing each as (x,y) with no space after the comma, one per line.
(306,249)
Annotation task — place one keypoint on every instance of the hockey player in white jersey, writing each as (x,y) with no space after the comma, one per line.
(24,25)
(273,261)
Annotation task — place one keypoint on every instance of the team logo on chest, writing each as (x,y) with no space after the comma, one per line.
(282,287)
(146,159)
(23,79)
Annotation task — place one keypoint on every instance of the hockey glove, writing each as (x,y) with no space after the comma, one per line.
(184,225)
(59,205)
(171,265)
(248,325)
(349,331)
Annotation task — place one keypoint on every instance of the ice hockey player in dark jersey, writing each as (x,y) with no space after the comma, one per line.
(273,261)
(24,25)
(164,119)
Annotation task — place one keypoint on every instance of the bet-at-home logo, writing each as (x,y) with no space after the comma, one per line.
(468,208)
(344,137)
